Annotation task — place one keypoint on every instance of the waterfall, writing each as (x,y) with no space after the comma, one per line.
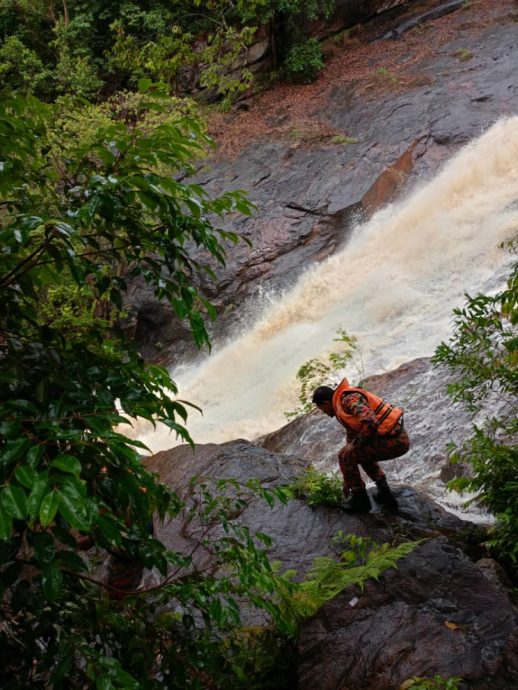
(393,285)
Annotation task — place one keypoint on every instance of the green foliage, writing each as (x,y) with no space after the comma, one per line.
(73,228)
(304,62)
(317,488)
(340,139)
(362,560)
(78,123)
(75,74)
(435,683)
(385,75)
(483,356)
(218,63)
(88,48)
(314,371)
(183,632)
(21,70)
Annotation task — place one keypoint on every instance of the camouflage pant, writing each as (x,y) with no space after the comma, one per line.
(368,455)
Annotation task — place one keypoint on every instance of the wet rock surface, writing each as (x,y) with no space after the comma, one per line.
(299,532)
(437,613)
(367,141)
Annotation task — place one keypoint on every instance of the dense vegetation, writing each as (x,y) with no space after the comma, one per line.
(93,48)
(483,356)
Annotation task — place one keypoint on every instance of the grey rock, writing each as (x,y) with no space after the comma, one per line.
(437,613)
(441,10)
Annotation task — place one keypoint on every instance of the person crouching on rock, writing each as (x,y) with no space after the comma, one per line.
(374,431)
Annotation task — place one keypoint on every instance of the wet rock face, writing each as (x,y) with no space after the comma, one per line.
(435,614)
(300,533)
(310,188)
(438,613)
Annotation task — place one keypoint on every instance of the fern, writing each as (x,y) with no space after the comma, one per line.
(327,576)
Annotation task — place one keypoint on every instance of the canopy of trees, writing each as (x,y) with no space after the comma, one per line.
(92,48)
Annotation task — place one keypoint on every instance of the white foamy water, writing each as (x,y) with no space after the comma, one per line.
(393,285)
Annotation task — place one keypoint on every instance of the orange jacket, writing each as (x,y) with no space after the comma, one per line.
(386,414)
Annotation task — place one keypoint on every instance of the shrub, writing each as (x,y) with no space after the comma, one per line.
(318,489)
(313,372)
(435,683)
(304,62)
(21,70)
(483,357)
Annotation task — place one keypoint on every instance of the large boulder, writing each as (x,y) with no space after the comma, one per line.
(435,615)
(438,613)
(300,533)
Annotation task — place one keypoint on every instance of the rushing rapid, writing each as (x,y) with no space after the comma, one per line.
(393,285)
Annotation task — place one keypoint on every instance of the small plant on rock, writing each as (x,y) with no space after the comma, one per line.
(314,371)
(340,139)
(463,54)
(435,683)
(318,489)
(387,76)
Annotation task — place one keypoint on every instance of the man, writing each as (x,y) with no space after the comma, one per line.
(375,432)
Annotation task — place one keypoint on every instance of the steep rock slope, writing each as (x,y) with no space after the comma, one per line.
(436,614)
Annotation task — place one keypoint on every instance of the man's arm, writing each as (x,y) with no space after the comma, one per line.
(355,404)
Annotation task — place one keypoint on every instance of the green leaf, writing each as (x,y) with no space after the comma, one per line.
(67,463)
(14,502)
(14,450)
(10,428)
(48,508)
(52,582)
(36,496)
(144,84)
(103,683)
(26,476)
(62,668)
(6,524)
(110,529)
(74,506)
(34,455)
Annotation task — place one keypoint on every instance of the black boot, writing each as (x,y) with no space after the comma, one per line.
(359,502)
(384,495)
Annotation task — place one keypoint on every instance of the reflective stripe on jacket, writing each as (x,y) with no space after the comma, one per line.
(387,415)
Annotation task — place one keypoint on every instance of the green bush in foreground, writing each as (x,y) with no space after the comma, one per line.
(483,357)
(435,683)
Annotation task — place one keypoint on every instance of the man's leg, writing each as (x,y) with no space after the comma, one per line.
(384,448)
(354,485)
(349,461)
